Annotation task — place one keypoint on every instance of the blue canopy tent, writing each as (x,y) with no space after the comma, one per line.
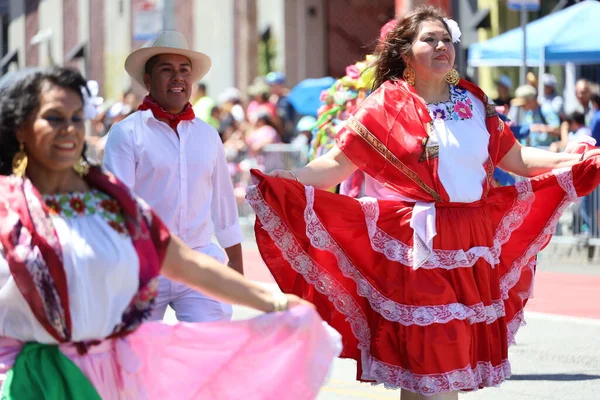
(566,36)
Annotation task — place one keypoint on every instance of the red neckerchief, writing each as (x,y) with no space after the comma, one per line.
(159,113)
(34,255)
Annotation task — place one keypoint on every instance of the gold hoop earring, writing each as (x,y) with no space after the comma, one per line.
(409,75)
(19,162)
(81,167)
(452,77)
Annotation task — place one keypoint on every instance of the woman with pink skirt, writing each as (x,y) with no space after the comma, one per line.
(79,260)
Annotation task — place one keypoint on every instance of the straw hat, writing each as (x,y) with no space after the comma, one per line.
(522,94)
(167,42)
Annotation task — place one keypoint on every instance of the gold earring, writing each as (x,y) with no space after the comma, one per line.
(409,75)
(19,162)
(452,77)
(81,167)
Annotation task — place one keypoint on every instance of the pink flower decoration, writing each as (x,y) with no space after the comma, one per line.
(463,110)
(324,96)
(386,29)
(352,72)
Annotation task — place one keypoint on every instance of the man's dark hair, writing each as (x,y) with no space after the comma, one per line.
(595,99)
(202,87)
(577,117)
(20,102)
(150,64)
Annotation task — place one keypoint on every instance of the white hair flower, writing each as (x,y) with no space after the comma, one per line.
(454,29)
(91,100)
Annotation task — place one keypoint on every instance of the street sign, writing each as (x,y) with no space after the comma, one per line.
(528,5)
(147,19)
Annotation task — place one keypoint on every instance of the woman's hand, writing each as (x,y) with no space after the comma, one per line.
(294,301)
(323,172)
(590,154)
(282,173)
(206,274)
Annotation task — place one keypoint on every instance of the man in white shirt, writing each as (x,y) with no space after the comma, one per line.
(176,163)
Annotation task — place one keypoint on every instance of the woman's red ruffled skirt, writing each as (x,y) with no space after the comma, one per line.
(445,326)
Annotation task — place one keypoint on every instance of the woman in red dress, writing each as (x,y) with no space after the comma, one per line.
(427,291)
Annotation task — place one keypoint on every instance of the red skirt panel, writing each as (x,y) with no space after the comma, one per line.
(443,327)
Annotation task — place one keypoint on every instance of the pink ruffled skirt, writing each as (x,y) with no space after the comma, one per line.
(273,356)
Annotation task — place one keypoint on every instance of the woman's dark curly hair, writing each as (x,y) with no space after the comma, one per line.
(20,102)
(389,61)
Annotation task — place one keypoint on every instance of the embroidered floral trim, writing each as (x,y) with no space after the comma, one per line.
(89,203)
(302,263)
(393,311)
(508,281)
(484,374)
(32,257)
(513,327)
(564,176)
(467,378)
(140,308)
(458,108)
(395,250)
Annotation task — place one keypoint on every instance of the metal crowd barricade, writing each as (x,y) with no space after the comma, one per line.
(273,156)
(579,224)
(577,227)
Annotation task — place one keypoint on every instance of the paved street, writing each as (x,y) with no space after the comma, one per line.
(557,355)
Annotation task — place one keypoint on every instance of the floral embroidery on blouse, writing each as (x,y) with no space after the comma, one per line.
(94,202)
(458,108)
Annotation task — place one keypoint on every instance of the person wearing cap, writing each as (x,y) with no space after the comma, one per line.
(176,162)
(541,126)
(578,132)
(304,128)
(503,86)
(259,92)
(551,98)
(231,102)
(285,109)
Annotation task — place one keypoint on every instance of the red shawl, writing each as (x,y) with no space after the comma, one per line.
(394,122)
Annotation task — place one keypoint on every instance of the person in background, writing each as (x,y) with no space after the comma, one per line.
(595,120)
(304,127)
(203,104)
(214,119)
(531,79)
(572,130)
(551,98)
(578,131)
(176,163)
(504,87)
(583,92)
(263,132)
(259,92)
(231,103)
(285,110)
(540,126)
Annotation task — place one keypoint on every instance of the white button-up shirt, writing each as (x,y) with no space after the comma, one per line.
(183,176)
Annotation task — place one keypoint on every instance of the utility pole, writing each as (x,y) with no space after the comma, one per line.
(168,14)
(246,43)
